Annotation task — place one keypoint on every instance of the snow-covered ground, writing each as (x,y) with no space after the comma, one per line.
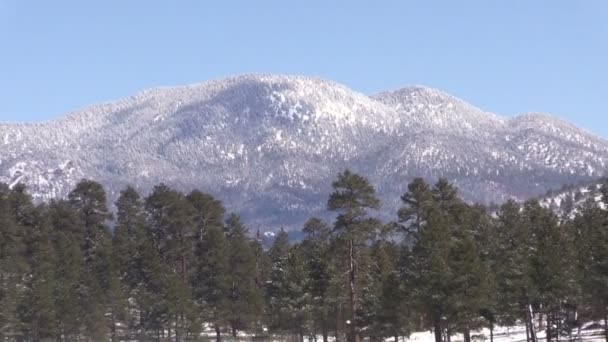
(588,333)
(513,334)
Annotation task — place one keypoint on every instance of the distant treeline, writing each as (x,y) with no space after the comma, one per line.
(175,265)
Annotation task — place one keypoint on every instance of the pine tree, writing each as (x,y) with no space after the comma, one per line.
(152,294)
(210,282)
(445,268)
(591,240)
(469,290)
(512,268)
(38,310)
(352,197)
(245,300)
(384,307)
(552,262)
(13,266)
(90,202)
(70,295)
(416,204)
(277,291)
(210,265)
(430,273)
(172,228)
(318,267)
(127,245)
(207,211)
(298,300)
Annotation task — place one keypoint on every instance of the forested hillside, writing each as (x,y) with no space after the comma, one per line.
(269,145)
(177,267)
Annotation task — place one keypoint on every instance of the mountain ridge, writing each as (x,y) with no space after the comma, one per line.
(269,145)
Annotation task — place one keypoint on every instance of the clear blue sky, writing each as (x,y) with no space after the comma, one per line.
(505,56)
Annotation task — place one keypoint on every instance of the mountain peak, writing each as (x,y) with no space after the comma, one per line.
(270,145)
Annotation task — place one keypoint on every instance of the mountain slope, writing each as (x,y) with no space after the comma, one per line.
(269,146)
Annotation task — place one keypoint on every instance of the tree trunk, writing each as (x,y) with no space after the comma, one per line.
(218,334)
(606,324)
(354,335)
(549,330)
(326,335)
(530,317)
(540,318)
(113,336)
(527,329)
(491,332)
(437,330)
(339,321)
(396,338)
(176,328)
(467,335)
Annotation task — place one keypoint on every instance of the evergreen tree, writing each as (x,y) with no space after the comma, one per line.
(299,304)
(129,237)
(13,266)
(416,204)
(552,263)
(591,241)
(208,211)
(245,300)
(173,265)
(210,282)
(70,294)
(210,265)
(469,291)
(445,268)
(429,270)
(318,267)
(172,229)
(38,310)
(152,296)
(352,197)
(277,291)
(384,307)
(512,268)
(89,200)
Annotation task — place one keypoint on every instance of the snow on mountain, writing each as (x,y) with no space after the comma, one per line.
(269,146)
(567,201)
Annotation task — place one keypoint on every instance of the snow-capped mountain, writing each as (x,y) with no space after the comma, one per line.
(568,200)
(269,146)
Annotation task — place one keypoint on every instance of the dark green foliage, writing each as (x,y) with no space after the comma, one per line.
(384,310)
(316,254)
(173,265)
(447,268)
(13,265)
(38,309)
(128,277)
(69,295)
(591,244)
(417,202)
(352,197)
(245,299)
(510,264)
(288,301)
(210,282)
(88,199)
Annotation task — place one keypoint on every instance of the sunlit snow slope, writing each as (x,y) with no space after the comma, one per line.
(269,146)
